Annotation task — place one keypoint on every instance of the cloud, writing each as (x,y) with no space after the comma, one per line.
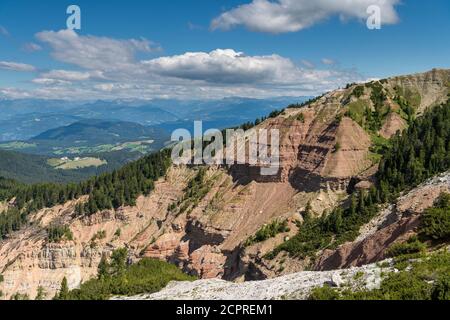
(216,74)
(14,93)
(193,26)
(223,66)
(107,68)
(49,81)
(228,68)
(15,66)
(328,62)
(71,75)
(282,16)
(307,63)
(4,31)
(95,53)
(31,47)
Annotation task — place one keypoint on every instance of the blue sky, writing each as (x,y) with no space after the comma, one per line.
(139,49)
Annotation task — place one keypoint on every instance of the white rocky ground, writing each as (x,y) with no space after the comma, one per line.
(294,286)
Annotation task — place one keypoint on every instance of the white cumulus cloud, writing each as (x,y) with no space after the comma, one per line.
(223,66)
(294,15)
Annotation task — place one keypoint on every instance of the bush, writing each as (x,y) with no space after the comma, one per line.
(100,235)
(330,230)
(324,293)
(436,221)
(196,190)
(20,296)
(358,91)
(301,118)
(58,233)
(441,290)
(337,147)
(267,232)
(412,246)
(119,279)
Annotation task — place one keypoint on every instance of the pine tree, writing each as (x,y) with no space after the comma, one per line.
(64,291)
(41,294)
(103,268)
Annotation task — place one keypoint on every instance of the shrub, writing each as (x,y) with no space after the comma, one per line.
(324,293)
(100,235)
(20,296)
(41,294)
(337,147)
(358,91)
(441,289)
(147,276)
(301,118)
(412,246)
(436,221)
(59,233)
(267,232)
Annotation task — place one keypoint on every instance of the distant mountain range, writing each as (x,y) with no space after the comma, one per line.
(25,126)
(92,137)
(25,119)
(96,132)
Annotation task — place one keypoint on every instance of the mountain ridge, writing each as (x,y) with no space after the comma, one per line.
(200,219)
